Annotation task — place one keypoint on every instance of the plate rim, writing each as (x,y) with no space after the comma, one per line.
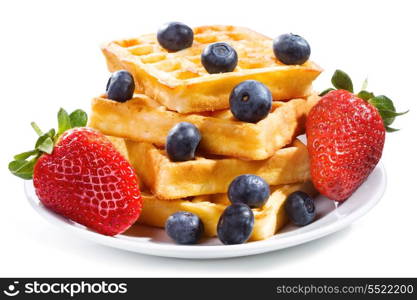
(206,251)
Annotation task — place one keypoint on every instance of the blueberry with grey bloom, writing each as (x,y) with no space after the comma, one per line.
(250,101)
(291,49)
(219,58)
(236,224)
(249,189)
(182,141)
(300,208)
(184,228)
(120,86)
(175,36)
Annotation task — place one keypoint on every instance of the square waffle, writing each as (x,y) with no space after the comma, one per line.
(268,220)
(145,120)
(203,176)
(179,81)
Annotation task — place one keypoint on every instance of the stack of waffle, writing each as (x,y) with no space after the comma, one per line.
(173,87)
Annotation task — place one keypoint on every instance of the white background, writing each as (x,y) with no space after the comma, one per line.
(50,58)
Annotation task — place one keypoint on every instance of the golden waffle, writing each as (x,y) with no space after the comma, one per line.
(179,81)
(268,219)
(203,176)
(145,120)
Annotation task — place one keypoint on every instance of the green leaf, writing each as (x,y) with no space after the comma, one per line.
(27,154)
(78,118)
(64,122)
(40,140)
(51,133)
(47,145)
(36,128)
(326,91)
(365,95)
(391,114)
(386,109)
(389,129)
(22,168)
(364,84)
(382,102)
(384,105)
(342,81)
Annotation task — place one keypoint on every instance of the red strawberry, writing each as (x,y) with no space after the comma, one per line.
(345,138)
(84,178)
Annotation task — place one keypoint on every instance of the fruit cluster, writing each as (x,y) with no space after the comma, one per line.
(220,57)
(236,223)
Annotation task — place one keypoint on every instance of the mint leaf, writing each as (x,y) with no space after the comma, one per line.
(27,154)
(64,122)
(326,91)
(22,168)
(78,118)
(365,95)
(342,81)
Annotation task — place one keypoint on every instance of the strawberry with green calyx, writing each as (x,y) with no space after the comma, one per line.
(385,106)
(78,173)
(23,163)
(345,136)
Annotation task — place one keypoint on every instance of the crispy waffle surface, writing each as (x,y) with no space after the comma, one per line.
(268,220)
(212,175)
(179,81)
(143,119)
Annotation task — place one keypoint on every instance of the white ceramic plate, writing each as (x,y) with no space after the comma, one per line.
(147,240)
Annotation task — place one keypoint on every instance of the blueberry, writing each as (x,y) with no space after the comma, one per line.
(250,101)
(120,86)
(249,189)
(175,36)
(184,228)
(300,208)
(219,58)
(236,224)
(291,49)
(182,141)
